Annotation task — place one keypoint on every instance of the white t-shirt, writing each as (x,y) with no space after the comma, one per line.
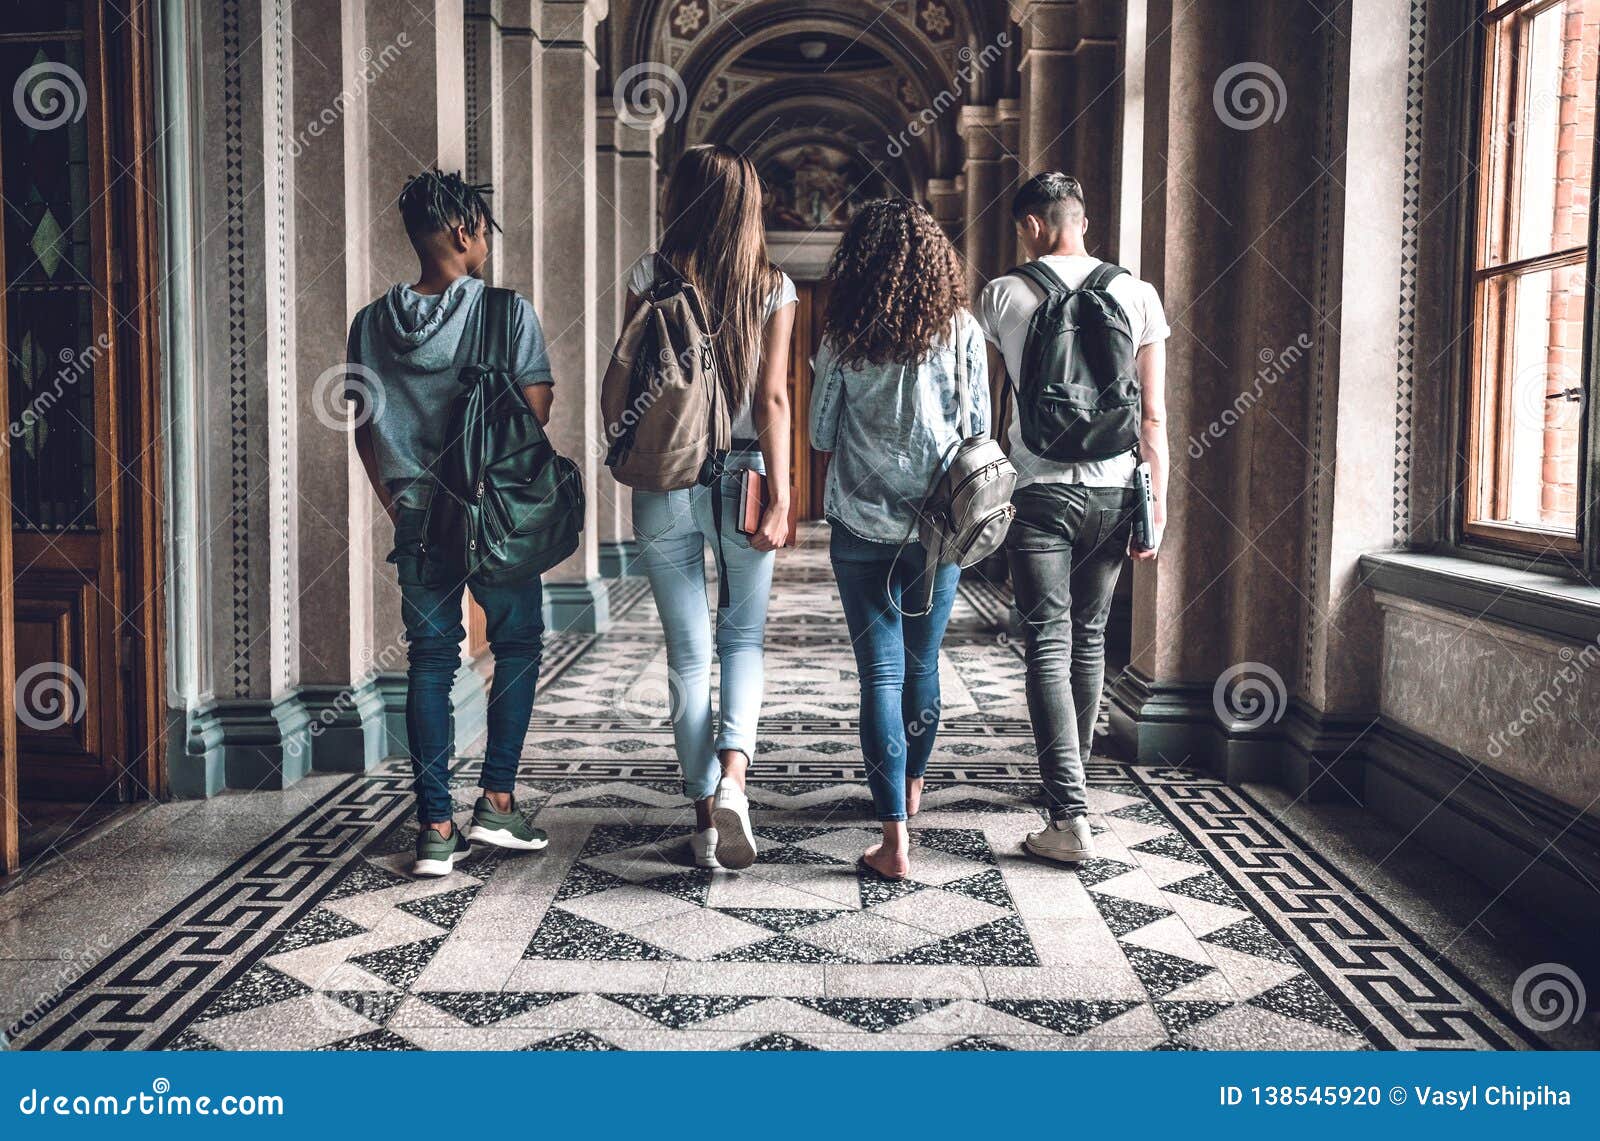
(1004,309)
(642,276)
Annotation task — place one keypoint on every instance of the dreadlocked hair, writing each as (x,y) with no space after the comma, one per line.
(434,201)
(895,285)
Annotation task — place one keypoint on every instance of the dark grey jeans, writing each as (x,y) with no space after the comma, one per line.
(1066,546)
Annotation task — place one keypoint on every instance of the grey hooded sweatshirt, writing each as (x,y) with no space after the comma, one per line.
(406,351)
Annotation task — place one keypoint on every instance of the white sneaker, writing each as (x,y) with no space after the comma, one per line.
(730,817)
(1068,841)
(704,847)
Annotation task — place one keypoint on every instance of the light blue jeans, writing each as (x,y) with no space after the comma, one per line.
(673,529)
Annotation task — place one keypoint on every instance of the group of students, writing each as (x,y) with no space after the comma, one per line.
(901,378)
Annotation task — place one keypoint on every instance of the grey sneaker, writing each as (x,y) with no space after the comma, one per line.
(504,829)
(1068,841)
(437,854)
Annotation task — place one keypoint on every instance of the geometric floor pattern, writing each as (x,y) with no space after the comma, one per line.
(1205,922)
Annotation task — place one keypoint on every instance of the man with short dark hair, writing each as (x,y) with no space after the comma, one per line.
(1074,518)
(406,353)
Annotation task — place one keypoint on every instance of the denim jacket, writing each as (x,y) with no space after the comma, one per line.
(891,429)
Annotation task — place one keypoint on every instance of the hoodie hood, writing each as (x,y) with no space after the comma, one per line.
(410,324)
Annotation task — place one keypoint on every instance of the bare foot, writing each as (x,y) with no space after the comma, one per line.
(887,862)
(913,795)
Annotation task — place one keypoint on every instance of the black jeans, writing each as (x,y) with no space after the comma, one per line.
(1066,546)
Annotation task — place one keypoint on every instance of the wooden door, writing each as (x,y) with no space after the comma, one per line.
(810,467)
(76,334)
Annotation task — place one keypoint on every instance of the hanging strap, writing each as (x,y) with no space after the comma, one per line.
(1102,275)
(1043,276)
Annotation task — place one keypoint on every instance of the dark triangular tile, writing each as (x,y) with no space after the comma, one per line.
(874,1014)
(776,1042)
(1253,937)
(780,919)
(1003,943)
(693,886)
(400,966)
(1162,973)
(1063,1015)
(793,854)
(319,926)
(445,909)
(1206,886)
(875,889)
(969,843)
(789,833)
(1143,813)
(608,838)
(573,1040)
(988,886)
(1125,915)
(485,1008)
(585,880)
(365,877)
(1300,997)
(781,949)
(260,986)
(380,1040)
(1097,870)
(563,935)
(680,1010)
(1172,846)
(1177,1017)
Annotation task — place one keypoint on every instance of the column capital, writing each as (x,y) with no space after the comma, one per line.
(1008,115)
(568,22)
(1061,24)
(980,130)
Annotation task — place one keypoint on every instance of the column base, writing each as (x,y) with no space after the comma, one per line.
(243,744)
(619,559)
(577,607)
(1305,750)
(348,734)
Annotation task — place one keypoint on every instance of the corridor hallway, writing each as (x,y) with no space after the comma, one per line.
(1213,918)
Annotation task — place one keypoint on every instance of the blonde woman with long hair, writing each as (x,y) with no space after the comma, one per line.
(715,239)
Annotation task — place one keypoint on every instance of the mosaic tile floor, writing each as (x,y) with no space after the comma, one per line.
(1211,919)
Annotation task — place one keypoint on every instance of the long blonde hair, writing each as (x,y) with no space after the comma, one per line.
(715,238)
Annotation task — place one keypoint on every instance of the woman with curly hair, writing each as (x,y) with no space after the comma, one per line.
(901,378)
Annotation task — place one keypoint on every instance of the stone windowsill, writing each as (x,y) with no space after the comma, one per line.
(1530,600)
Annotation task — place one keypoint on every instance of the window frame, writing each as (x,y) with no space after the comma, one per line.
(1578,553)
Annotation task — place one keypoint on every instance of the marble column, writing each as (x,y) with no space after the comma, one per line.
(1071,72)
(1008,116)
(519,175)
(626,171)
(575,594)
(987,220)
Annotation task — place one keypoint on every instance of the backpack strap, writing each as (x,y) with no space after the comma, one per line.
(1042,276)
(499,312)
(1103,275)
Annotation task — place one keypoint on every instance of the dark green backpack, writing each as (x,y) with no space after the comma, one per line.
(507,508)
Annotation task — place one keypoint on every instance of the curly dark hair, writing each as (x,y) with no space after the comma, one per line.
(895,285)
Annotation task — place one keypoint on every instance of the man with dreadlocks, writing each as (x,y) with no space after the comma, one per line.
(405,353)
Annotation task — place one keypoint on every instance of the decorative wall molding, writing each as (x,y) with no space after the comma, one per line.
(1410,223)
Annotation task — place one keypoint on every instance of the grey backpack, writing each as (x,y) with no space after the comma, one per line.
(967,511)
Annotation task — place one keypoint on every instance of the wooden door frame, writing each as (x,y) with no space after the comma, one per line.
(126,233)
